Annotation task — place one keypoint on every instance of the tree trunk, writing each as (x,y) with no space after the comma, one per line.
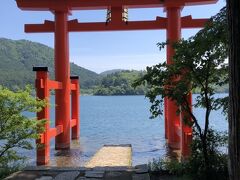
(234,91)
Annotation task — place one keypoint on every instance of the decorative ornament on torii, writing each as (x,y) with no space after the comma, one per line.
(178,135)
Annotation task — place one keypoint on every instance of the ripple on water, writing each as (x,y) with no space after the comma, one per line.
(117,120)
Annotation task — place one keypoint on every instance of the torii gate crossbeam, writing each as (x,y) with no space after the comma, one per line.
(75,26)
(178,135)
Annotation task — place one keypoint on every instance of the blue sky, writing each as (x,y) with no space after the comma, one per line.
(100,51)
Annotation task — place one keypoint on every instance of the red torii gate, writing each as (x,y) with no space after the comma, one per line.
(179,136)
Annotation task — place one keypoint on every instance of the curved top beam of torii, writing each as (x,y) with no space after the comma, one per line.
(117,5)
(66,5)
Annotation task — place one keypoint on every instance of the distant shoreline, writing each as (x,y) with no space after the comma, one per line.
(138,94)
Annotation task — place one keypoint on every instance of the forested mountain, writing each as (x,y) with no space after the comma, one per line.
(18,57)
(120,83)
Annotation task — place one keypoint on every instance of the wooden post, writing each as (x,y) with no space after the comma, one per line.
(75,107)
(62,74)
(43,152)
(173,35)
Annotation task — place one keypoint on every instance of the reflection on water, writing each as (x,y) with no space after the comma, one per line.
(68,158)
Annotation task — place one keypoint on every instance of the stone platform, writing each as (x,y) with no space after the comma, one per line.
(112,156)
(111,162)
(80,173)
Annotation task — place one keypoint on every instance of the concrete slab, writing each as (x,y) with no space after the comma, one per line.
(45,178)
(94,174)
(67,175)
(29,175)
(111,168)
(113,175)
(85,178)
(112,155)
(127,174)
(141,169)
(141,177)
(81,178)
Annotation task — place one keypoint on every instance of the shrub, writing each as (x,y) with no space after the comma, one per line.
(194,167)
(16,129)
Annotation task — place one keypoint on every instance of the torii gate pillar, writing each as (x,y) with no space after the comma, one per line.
(172,119)
(173,35)
(62,74)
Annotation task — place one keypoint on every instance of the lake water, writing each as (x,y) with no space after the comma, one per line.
(119,120)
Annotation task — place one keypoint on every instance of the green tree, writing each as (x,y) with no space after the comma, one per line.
(199,63)
(16,129)
(119,83)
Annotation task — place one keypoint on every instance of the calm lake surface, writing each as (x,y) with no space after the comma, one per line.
(118,120)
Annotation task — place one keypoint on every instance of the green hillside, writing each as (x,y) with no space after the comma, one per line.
(119,83)
(18,57)
(108,72)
